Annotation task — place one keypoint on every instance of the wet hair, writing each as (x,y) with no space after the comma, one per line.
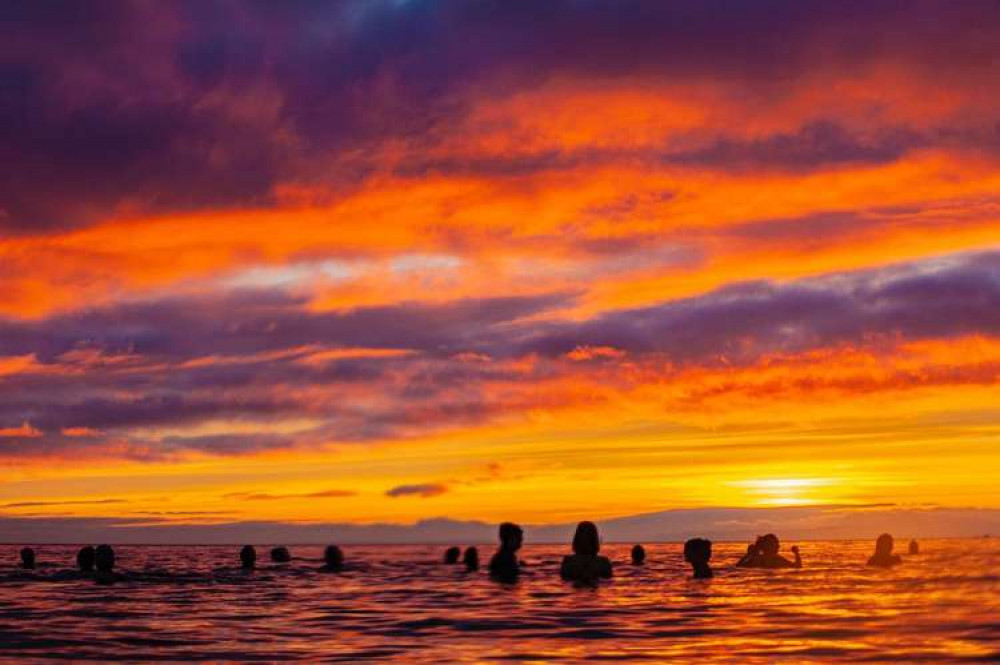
(511,535)
(884,545)
(280,554)
(85,558)
(27,558)
(248,556)
(638,554)
(333,556)
(769,544)
(451,555)
(471,558)
(104,558)
(698,550)
(586,541)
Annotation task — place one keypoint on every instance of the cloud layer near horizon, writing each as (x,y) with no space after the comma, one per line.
(509,242)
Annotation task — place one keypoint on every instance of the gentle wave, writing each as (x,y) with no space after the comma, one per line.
(399,603)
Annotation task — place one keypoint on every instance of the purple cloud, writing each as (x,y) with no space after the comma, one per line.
(423,490)
(216,111)
(125,372)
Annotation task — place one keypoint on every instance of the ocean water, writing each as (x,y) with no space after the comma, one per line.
(399,603)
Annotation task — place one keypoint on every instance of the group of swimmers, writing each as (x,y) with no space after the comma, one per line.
(585,565)
(98,562)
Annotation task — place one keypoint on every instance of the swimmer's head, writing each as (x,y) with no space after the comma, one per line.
(698,551)
(248,556)
(104,558)
(511,536)
(884,545)
(471,558)
(333,556)
(586,541)
(85,558)
(769,544)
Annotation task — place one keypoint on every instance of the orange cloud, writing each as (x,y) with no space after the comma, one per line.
(25,431)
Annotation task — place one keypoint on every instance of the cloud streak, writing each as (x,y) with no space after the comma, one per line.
(422,490)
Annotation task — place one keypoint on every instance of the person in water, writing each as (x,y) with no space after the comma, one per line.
(333,558)
(451,555)
(698,552)
(883,557)
(248,557)
(585,564)
(504,564)
(280,555)
(85,559)
(638,555)
(471,559)
(28,559)
(914,547)
(104,561)
(764,554)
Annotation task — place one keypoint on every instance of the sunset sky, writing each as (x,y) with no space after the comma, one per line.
(543,261)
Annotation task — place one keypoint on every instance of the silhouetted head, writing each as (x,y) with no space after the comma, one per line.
(471,558)
(586,542)
(914,547)
(104,558)
(334,557)
(85,558)
(698,551)
(280,555)
(451,555)
(768,544)
(884,545)
(28,558)
(248,556)
(511,536)
(638,554)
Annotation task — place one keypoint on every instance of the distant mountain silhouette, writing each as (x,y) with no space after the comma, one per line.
(718,524)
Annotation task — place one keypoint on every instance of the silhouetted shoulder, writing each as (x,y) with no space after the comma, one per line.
(582,568)
(885,562)
(567,568)
(504,565)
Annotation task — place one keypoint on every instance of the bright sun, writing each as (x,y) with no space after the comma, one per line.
(785,491)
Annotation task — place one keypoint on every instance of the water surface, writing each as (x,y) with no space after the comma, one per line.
(400,603)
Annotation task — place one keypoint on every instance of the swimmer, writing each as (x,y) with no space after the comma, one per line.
(248,557)
(585,564)
(333,558)
(85,559)
(471,559)
(883,557)
(764,554)
(698,552)
(504,565)
(104,561)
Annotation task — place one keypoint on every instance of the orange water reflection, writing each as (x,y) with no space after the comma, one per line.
(399,603)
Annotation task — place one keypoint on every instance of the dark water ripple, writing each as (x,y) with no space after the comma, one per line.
(398,603)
